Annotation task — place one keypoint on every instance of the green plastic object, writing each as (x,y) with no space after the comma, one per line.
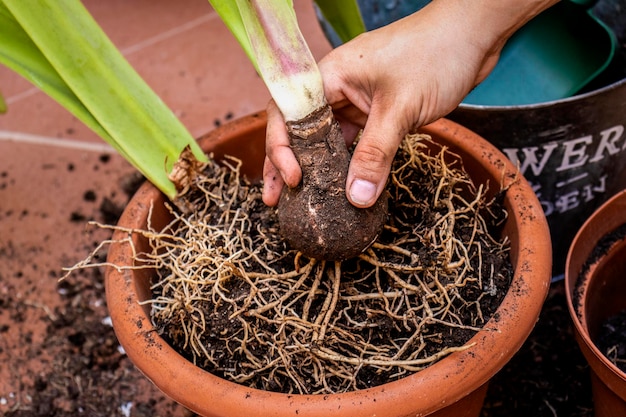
(552,57)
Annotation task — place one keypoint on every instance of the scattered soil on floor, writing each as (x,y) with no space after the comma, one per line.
(548,377)
(83,369)
(59,356)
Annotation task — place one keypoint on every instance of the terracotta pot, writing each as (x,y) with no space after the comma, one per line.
(596,290)
(455,386)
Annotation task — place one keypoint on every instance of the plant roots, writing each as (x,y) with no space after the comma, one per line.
(239,303)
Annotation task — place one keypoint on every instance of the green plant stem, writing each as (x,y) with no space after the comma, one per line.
(269,33)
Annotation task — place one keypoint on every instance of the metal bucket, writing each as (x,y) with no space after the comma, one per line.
(572,150)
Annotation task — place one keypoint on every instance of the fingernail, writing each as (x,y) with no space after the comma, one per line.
(362,192)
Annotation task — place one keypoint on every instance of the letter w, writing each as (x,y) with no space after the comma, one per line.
(530,157)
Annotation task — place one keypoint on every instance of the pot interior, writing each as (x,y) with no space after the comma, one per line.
(249,147)
(596,267)
(605,296)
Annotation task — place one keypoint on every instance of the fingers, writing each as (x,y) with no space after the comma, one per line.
(372,158)
(369,166)
(281,166)
(272,183)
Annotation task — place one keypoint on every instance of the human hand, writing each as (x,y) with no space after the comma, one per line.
(393,80)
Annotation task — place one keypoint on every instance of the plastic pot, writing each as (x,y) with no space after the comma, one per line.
(595,281)
(454,386)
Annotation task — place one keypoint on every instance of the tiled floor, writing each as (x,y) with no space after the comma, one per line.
(55,173)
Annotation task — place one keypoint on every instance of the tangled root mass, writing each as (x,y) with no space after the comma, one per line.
(232,297)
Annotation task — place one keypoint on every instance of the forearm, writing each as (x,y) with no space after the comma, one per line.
(503,17)
(489,22)
(473,31)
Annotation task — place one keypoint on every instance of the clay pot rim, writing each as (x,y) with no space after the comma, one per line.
(447,381)
(592,230)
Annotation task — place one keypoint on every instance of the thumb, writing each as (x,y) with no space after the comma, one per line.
(372,158)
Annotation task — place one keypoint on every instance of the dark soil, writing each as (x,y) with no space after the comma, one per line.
(611,339)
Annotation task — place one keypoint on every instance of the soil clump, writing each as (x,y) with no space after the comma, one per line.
(316,217)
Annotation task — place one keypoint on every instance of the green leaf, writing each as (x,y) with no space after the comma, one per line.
(344,16)
(3,104)
(60,48)
(19,53)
